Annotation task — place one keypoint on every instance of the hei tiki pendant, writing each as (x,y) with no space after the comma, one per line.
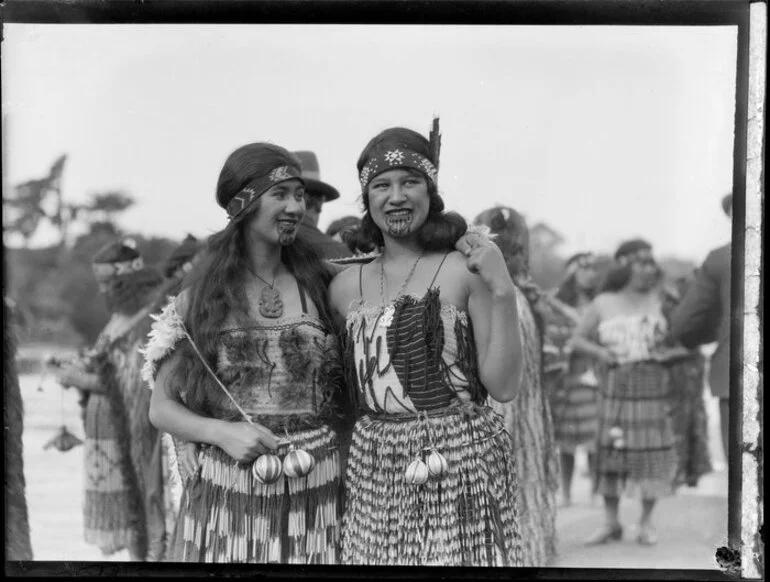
(270,303)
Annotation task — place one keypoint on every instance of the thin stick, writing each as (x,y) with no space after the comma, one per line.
(213,375)
(222,386)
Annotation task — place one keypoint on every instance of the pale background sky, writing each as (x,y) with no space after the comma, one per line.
(604,133)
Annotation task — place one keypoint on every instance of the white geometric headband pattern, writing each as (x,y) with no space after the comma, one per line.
(397,158)
(104,271)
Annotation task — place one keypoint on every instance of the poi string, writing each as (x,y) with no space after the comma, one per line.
(246,417)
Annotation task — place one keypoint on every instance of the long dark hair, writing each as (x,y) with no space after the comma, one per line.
(215,287)
(568,291)
(619,275)
(441,230)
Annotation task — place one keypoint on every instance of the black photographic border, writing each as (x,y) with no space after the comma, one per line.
(512,12)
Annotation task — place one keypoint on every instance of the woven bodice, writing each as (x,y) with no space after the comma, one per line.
(633,338)
(410,355)
(281,369)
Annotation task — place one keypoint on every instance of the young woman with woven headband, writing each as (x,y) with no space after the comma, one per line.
(429,333)
(121,486)
(625,330)
(245,361)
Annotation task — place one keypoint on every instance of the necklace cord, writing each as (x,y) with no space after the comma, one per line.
(403,285)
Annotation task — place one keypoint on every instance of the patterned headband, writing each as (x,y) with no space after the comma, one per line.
(581,262)
(397,158)
(106,271)
(254,189)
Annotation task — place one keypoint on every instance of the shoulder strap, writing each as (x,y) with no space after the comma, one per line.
(302,297)
(360,281)
(441,264)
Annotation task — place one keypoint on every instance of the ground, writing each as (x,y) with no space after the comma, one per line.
(691,525)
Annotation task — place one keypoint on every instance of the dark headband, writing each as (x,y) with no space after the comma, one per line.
(258,186)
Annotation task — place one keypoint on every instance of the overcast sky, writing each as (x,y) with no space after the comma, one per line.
(604,133)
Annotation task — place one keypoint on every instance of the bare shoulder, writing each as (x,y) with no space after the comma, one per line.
(182,302)
(456,265)
(344,287)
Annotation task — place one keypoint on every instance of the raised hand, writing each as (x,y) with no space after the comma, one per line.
(486,260)
(73,374)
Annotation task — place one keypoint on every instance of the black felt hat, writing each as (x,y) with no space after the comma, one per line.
(312,176)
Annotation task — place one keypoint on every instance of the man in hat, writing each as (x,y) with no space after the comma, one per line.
(703,317)
(316,193)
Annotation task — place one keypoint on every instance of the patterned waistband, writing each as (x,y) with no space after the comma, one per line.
(457,408)
(280,423)
(315,440)
(636,364)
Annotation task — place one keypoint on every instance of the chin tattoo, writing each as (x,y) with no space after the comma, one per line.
(286,234)
(399,227)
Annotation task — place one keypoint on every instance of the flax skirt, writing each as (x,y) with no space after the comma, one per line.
(574,413)
(468,517)
(106,514)
(636,399)
(226,515)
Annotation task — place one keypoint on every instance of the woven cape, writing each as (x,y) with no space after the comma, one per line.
(138,439)
(529,424)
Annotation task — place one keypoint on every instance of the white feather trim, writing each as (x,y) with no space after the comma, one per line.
(164,335)
(482,230)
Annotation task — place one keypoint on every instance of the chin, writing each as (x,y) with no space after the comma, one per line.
(286,239)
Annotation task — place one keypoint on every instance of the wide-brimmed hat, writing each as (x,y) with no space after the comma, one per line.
(312,176)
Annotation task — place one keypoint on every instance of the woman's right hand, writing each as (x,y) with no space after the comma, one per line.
(244,442)
(73,374)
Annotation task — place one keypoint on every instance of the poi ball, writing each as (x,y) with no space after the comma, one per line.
(416,472)
(620,444)
(437,464)
(298,463)
(616,432)
(267,469)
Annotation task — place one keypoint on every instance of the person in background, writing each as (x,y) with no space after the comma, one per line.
(317,193)
(703,316)
(625,330)
(122,492)
(571,377)
(528,417)
(17,539)
(178,458)
(689,408)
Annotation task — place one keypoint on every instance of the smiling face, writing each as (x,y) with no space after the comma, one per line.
(644,271)
(399,202)
(281,209)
